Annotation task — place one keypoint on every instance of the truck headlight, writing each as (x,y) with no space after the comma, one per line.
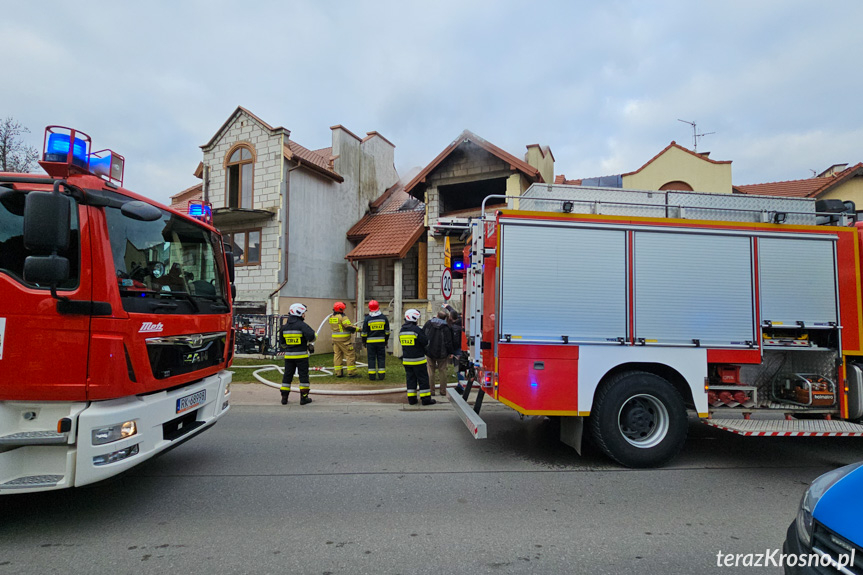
(228,388)
(810,499)
(103,435)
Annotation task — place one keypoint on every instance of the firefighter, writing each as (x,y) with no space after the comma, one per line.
(414,343)
(298,338)
(375,335)
(343,347)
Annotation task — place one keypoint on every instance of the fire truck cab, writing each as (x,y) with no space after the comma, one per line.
(623,310)
(115,322)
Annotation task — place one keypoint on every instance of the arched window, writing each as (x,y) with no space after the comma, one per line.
(240,169)
(676,185)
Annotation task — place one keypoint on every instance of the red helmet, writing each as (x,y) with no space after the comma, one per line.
(339,307)
(374,306)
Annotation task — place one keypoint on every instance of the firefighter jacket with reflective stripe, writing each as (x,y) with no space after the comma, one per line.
(376,329)
(414,343)
(296,336)
(341,326)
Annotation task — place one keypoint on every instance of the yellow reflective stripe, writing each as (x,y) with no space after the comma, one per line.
(413,361)
(285,388)
(376,340)
(304,388)
(425,394)
(296,356)
(341,335)
(412,394)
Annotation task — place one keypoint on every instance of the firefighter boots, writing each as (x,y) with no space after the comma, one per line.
(428,401)
(412,401)
(372,377)
(340,374)
(304,399)
(285,398)
(381,376)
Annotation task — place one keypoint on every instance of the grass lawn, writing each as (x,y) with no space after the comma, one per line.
(395,371)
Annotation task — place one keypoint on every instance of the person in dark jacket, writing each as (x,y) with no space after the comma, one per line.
(440,350)
(375,335)
(298,340)
(414,342)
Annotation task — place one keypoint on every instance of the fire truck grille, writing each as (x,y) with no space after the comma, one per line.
(179,354)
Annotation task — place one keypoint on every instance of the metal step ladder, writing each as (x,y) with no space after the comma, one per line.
(32,482)
(787,428)
(469,415)
(23,438)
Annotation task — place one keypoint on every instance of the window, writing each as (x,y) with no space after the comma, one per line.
(240,168)
(386,272)
(247,247)
(12,250)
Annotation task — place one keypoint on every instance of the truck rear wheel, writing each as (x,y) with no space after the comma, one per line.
(639,419)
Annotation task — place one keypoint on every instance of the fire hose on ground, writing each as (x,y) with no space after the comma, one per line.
(259,369)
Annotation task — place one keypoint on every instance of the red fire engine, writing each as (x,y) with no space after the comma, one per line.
(115,322)
(619,310)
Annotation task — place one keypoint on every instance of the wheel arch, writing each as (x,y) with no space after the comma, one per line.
(666,372)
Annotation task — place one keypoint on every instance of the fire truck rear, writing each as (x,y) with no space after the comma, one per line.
(619,310)
(115,322)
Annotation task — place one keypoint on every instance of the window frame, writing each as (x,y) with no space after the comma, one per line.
(386,272)
(244,234)
(241,165)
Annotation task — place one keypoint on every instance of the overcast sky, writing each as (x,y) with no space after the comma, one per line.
(602,83)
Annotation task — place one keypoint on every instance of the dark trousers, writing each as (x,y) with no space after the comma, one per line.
(417,375)
(377,359)
(301,365)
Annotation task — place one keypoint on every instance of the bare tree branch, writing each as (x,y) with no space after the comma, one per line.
(15,155)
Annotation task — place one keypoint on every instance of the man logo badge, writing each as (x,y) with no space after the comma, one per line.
(150,327)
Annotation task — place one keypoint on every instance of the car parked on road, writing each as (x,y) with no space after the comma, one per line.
(829,524)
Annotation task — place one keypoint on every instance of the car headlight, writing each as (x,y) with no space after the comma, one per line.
(810,499)
(109,433)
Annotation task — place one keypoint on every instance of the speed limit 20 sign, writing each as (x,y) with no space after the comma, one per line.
(446,284)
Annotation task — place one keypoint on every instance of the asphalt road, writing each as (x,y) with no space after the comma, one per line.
(334,488)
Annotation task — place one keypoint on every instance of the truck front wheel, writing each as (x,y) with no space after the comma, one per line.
(639,419)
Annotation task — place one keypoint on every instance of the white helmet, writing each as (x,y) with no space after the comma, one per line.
(412,315)
(298,310)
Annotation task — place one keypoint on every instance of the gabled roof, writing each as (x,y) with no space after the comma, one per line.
(231,118)
(393,226)
(674,144)
(467,135)
(180,202)
(808,188)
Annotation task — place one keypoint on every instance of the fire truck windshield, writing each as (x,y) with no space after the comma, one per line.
(169,265)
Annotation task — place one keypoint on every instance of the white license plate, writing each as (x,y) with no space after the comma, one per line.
(191,401)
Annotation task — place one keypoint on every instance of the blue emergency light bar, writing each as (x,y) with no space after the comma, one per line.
(201,211)
(458,265)
(57,150)
(108,165)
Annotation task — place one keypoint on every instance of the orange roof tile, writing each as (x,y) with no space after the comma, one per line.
(515,163)
(561,179)
(808,188)
(197,187)
(387,235)
(312,160)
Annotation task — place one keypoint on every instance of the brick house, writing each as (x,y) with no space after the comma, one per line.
(287,209)
(836,182)
(453,187)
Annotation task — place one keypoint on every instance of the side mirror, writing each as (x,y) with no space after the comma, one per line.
(229,259)
(46,270)
(47,222)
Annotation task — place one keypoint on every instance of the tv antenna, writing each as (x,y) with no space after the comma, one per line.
(695,134)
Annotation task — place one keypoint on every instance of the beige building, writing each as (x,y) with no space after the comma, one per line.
(674,168)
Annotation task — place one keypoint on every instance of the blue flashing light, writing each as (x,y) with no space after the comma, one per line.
(458,265)
(58,150)
(201,211)
(534,384)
